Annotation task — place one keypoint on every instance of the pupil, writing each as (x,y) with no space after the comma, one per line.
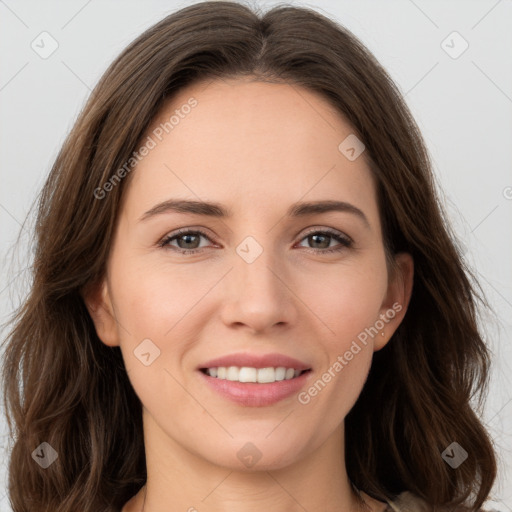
(186,238)
(319,236)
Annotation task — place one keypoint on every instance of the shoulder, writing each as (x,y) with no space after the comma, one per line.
(409,502)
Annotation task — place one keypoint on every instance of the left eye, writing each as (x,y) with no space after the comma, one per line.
(189,241)
(319,237)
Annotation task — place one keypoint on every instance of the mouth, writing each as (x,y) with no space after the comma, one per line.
(255,375)
(254,387)
(242,374)
(255,380)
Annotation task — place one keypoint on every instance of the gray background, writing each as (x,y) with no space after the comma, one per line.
(463,106)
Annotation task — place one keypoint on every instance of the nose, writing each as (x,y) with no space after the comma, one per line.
(259,295)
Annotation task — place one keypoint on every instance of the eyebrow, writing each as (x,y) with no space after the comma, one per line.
(212,209)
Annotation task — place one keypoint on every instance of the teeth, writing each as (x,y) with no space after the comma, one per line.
(247,374)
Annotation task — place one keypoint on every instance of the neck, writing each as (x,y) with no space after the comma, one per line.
(178,480)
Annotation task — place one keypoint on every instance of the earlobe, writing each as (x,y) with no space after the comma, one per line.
(397,298)
(97,301)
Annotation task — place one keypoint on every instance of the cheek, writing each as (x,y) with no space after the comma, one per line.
(153,308)
(165,305)
(348,302)
(152,299)
(347,299)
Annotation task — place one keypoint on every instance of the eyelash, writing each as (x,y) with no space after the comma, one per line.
(345,241)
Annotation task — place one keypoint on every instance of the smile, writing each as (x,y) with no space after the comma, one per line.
(255,394)
(249,374)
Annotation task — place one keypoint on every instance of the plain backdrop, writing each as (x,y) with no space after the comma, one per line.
(457,85)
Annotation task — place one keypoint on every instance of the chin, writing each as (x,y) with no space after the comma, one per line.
(252,455)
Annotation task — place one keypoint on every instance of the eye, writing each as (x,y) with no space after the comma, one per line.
(188,241)
(323,238)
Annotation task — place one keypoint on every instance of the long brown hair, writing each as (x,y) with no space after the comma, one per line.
(65,387)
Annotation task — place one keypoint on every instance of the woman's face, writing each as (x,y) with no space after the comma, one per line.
(273,274)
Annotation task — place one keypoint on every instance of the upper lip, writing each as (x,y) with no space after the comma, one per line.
(256,361)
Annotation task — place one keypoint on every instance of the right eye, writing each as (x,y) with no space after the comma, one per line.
(187,237)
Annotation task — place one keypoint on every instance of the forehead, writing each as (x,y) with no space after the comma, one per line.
(263,144)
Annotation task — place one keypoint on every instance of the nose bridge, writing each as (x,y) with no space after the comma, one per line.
(255,267)
(257,295)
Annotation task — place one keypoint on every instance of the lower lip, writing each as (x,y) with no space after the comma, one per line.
(252,394)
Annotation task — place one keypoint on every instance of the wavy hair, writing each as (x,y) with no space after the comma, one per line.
(63,386)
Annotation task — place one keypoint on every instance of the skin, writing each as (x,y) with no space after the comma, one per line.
(256,148)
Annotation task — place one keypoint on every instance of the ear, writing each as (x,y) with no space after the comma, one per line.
(397,298)
(99,305)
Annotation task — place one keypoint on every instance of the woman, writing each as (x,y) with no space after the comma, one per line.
(245,292)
